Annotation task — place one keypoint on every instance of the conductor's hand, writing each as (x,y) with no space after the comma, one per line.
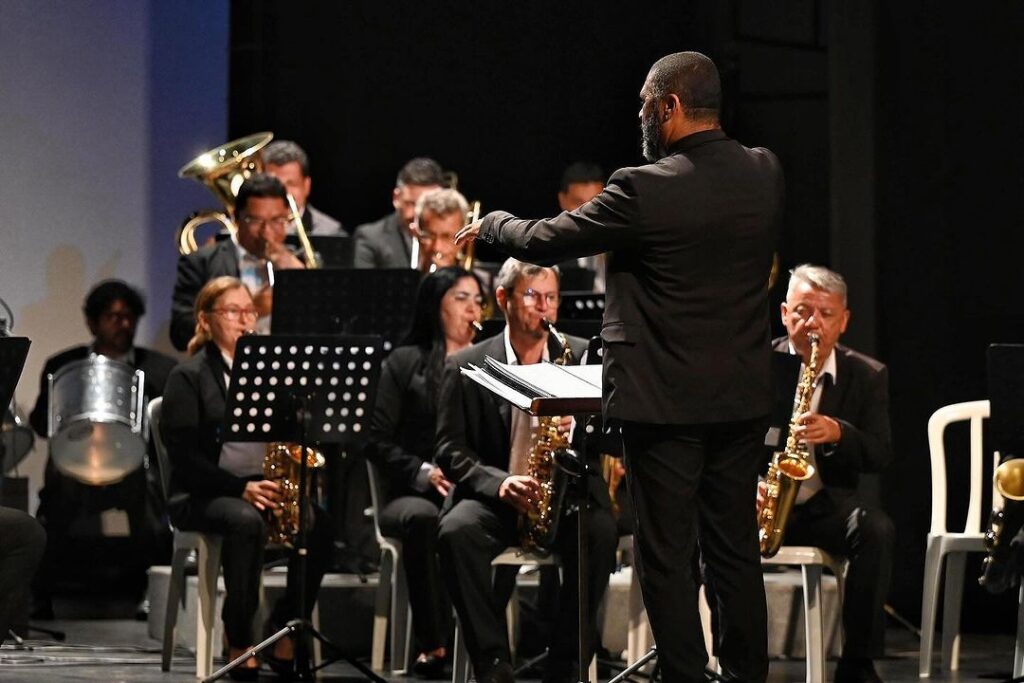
(815,428)
(439,482)
(520,491)
(263,494)
(468,233)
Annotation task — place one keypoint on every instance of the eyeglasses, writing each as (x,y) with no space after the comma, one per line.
(235,314)
(464,297)
(260,223)
(532,297)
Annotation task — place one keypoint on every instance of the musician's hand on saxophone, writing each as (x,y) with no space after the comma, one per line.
(263,494)
(520,491)
(762,491)
(815,428)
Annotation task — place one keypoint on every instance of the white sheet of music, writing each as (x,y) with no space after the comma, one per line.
(481,376)
(547,380)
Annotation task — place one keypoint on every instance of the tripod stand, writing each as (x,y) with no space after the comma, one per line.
(302,389)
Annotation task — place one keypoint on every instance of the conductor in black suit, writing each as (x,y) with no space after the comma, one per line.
(483,445)
(848,430)
(686,353)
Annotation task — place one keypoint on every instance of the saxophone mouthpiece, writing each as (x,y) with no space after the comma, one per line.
(546,324)
(477,326)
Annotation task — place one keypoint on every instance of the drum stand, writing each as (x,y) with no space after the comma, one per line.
(314,368)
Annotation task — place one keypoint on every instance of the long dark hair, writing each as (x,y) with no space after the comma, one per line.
(427,330)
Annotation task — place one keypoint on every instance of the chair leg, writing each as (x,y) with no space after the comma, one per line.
(929,604)
(512,622)
(813,623)
(1018,653)
(175,589)
(460,658)
(401,624)
(380,611)
(209,567)
(953,593)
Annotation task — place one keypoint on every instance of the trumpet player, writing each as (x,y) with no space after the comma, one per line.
(439,215)
(257,248)
(847,429)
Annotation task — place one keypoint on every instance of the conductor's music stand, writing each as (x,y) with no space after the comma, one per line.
(309,390)
(345,301)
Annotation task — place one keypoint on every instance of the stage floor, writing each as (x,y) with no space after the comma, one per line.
(120,650)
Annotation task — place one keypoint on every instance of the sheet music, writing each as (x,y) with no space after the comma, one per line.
(489,382)
(547,380)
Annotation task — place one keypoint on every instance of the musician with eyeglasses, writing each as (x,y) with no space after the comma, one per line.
(483,445)
(262,217)
(449,305)
(219,487)
(439,215)
(112,311)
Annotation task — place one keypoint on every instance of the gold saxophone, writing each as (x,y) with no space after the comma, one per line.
(997,573)
(282,463)
(789,467)
(537,528)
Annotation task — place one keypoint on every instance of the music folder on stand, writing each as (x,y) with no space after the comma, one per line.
(546,389)
(308,390)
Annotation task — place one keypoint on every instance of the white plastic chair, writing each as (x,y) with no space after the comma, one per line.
(955,544)
(392,600)
(811,561)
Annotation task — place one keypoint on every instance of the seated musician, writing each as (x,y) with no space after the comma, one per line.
(112,311)
(261,217)
(218,487)
(848,430)
(289,163)
(387,243)
(402,435)
(483,445)
(439,215)
(22,540)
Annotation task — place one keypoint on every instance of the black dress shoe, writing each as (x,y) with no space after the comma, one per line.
(429,666)
(244,674)
(850,670)
(497,672)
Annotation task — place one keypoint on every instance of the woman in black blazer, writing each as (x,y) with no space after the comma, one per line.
(448,304)
(217,486)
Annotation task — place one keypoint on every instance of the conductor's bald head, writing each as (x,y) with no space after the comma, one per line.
(682,95)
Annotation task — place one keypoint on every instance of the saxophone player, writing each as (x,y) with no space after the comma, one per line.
(218,486)
(847,429)
(262,217)
(483,445)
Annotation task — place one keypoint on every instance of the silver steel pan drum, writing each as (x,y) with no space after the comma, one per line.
(16,438)
(96,432)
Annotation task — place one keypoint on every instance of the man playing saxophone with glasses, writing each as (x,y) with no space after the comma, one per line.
(257,249)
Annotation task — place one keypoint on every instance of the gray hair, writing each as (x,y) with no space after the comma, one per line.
(513,269)
(281,152)
(818,277)
(441,203)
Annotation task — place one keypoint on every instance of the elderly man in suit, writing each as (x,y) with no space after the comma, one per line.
(262,218)
(483,444)
(387,243)
(847,428)
(687,358)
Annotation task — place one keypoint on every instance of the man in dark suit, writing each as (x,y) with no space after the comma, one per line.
(289,163)
(686,353)
(847,428)
(483,444)
(112,311)
(261,217)
(387,243)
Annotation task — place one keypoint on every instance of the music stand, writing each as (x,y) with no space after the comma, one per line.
(13,352)
(309,390)
(345,301)
(332,251)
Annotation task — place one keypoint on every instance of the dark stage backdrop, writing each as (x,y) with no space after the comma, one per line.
(507,94)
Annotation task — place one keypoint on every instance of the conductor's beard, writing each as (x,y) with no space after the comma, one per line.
(650,137)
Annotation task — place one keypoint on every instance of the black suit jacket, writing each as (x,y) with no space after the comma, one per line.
(404,420)
(686,330)
(156,366)
(191,426)
(194,271)
(473,427)
(859,401)
(382,244)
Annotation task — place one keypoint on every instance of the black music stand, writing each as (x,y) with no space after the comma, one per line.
(345,301)
(309,390)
